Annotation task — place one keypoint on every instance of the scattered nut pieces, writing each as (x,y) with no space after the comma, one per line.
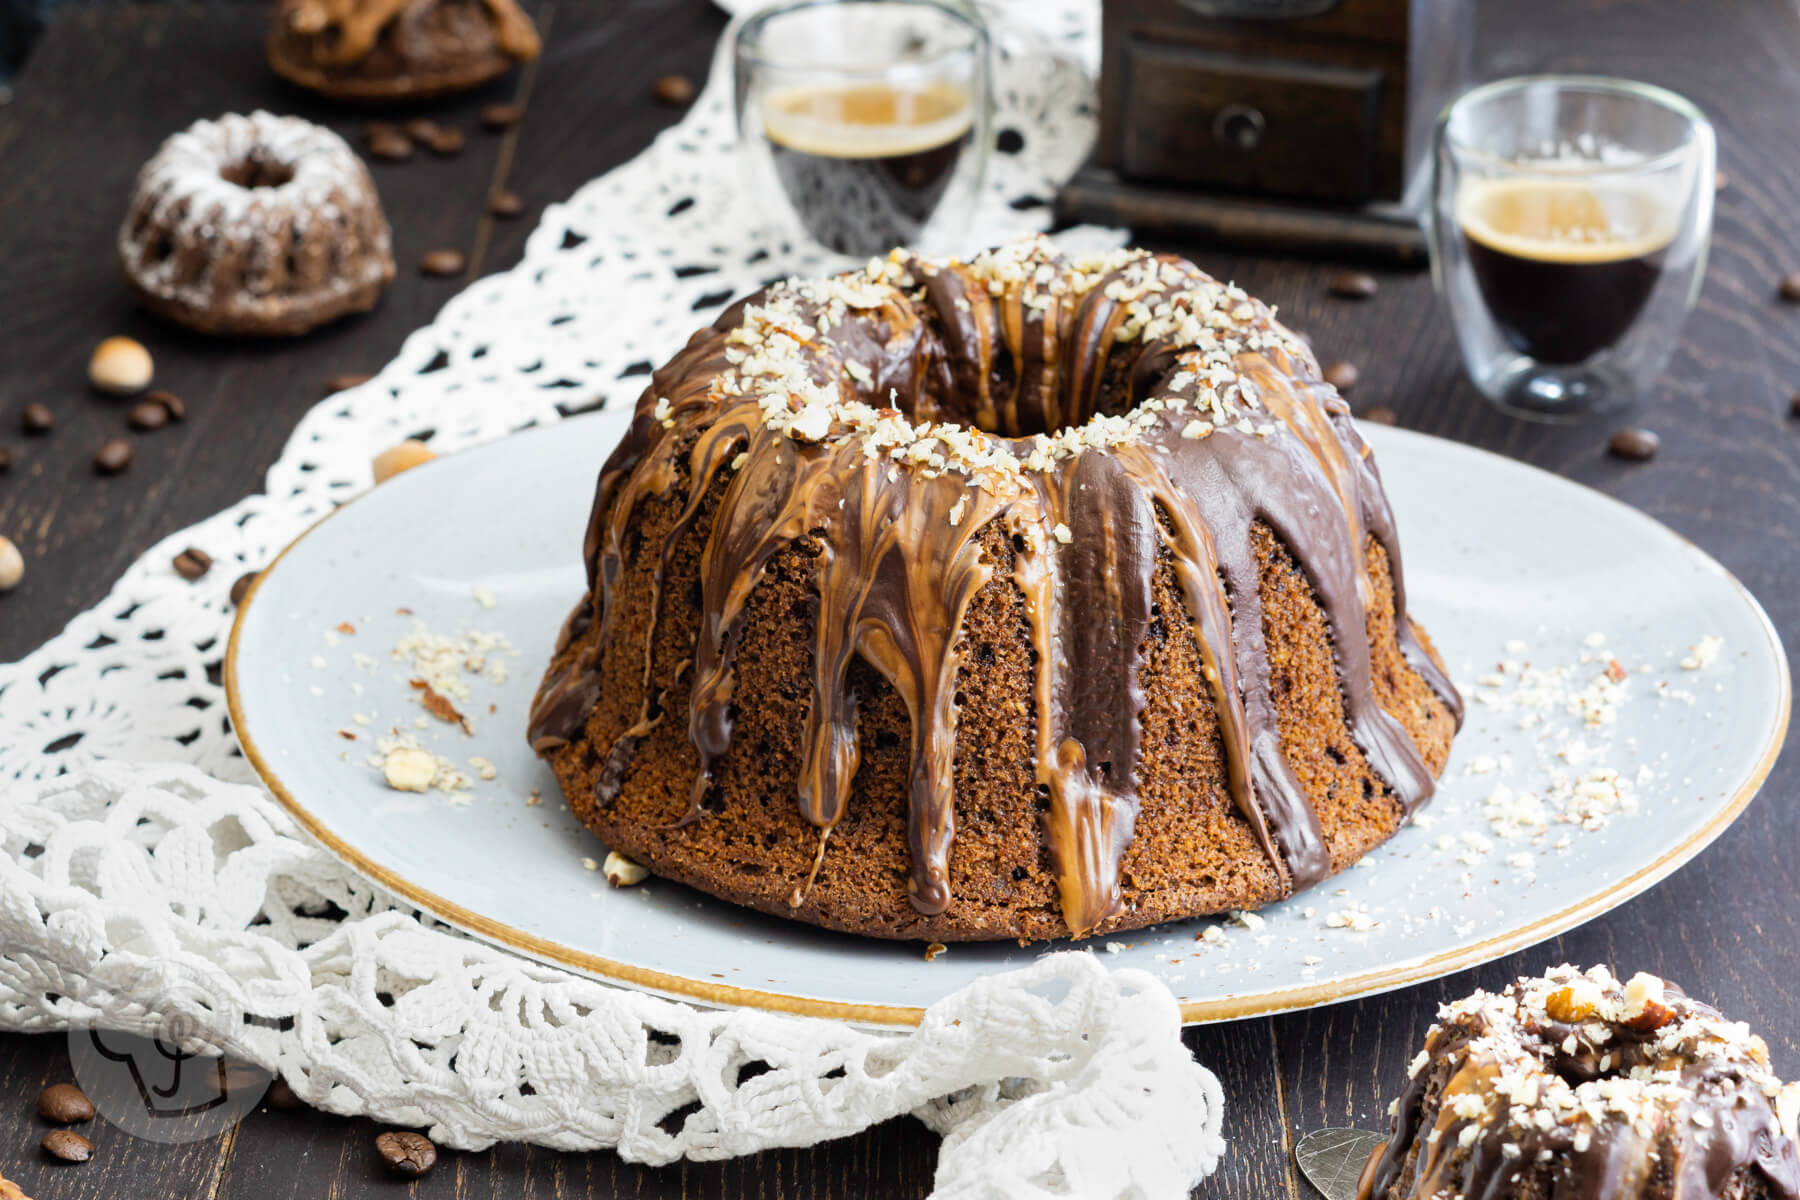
(443,263)
(1342,375)
(240,587)
(120,366)
(505,204)
(934,949)
(11,1191)
(192,564)
(340,383)
(1644,1007)
(439,707)
(405,1153)
(67,1146)
(1379,415)
(404,457)
(65,1104)
(409,770)
(37,419)
(502,116)
(622,872)
(114,457)
(12,565)
(1574,1002)
(1354,285)
(1634,445)
(673,89)
(422,129)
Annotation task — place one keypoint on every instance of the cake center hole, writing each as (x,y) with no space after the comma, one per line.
(255,170)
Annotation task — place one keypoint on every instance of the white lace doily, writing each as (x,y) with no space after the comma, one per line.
(128,891)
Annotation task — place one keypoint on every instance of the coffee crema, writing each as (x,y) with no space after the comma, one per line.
(1564,265)
(866,166)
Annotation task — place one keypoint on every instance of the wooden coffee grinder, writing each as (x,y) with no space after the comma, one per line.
(1294,124)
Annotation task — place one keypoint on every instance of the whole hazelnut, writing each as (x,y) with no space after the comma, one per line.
(121,366)
(12,565)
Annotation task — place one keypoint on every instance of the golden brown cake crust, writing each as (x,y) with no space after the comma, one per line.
(373,50)
(617,714)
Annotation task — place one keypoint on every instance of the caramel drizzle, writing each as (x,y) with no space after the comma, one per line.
(359,24)
(895,573)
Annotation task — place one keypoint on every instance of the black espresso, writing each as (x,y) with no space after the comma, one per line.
(1564,266)
(865,167)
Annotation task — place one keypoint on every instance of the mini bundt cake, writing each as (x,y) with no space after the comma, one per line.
(1575,1085)
(398,49)
(1016,598)
(257,224)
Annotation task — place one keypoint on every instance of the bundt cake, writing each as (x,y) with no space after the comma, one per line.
(398,49)
(1575,1085)
(1015,598)
(257,224)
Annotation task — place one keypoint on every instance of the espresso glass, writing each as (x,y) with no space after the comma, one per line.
(1569,228)
(864,124)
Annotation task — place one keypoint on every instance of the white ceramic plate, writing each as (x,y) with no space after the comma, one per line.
(1495,553)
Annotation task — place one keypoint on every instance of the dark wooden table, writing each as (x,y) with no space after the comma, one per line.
(109,83)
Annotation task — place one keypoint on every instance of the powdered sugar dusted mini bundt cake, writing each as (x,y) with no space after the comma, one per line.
(1014,598)
(1576,1085)
(255,224)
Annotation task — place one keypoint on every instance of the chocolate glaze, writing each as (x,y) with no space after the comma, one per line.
(1716,1131)
(899,556)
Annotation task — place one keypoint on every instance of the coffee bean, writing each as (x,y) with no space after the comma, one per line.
(506,204)
(147,417)
(447,142)
(389,144)
(1790,287)
(407,1154)
(281,1097)
(113,457)
(240,587)
(502,116)
(1342,375)
(341,383)
(6,460)
(443,262)
(37,418)
(1354,285)
(422,129)
(673,89)
(192,564)
(65,1104)
(1379,415)
(1634,445)
(68,1146)
(171,403)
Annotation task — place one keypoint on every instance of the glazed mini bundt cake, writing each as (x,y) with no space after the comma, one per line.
(255,225)
(398,49)
(1575,1085)
(1015,598)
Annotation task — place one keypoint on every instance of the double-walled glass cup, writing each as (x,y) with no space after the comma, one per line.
(864,124)
(1569,226)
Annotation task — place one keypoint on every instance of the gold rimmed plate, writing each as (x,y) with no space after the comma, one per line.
(1503,561)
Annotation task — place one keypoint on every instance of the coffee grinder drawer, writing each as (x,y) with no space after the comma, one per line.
(1251,124)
